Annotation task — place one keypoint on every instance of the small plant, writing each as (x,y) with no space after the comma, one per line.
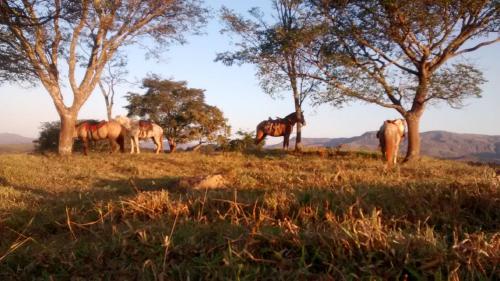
(245,142)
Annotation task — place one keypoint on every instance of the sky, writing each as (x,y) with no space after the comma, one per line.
(236,91)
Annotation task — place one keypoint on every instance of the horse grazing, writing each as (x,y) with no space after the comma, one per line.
(278,127)
(390,135)
(94,130)
(141,130)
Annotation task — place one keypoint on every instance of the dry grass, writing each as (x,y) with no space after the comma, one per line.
(322,215)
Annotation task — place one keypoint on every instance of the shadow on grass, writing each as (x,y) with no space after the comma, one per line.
(119,228)
(445,208)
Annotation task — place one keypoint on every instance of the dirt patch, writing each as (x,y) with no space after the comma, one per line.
(203,182)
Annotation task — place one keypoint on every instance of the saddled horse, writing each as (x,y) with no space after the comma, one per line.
(279,127)
(141,130)
(390,135)
(99,130)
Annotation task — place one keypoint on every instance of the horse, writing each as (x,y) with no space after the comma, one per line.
(278,127)
(95,130)
(141,130)
(390,135)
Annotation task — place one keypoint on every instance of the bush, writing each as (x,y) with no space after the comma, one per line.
(48,141)
(246,142)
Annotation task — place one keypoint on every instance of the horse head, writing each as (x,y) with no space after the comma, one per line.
(292,117)
(302,119)
(124,121)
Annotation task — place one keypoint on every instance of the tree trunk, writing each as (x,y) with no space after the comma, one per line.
(413,122)
(298,138)
(68,122)
(413,117)
(172,145)
(298,109)
(108,99)
(109,111)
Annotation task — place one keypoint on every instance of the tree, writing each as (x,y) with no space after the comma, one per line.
(211,124)
(48,140)
(42,38)
(181,111)
(275,49)
(113,75)
(396,53)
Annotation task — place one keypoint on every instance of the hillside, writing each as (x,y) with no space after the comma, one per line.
(441,144)
(7,138)
(321,215)
(13,143)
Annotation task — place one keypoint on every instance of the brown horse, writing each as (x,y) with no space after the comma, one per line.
(278,127)
(390,135)
(94,130)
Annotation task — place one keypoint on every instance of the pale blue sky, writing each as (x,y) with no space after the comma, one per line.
(236,91)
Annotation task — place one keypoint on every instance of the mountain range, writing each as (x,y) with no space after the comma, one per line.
(7,138)
(12,143)
(440,144)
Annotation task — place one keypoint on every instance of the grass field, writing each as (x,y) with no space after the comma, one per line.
(321,215)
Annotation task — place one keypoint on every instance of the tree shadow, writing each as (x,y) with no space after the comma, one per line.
(213,221)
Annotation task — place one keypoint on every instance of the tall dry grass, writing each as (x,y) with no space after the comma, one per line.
(320,215)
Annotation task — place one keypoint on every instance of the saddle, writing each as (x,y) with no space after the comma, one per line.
(93,126)
(272,126)
(145,125)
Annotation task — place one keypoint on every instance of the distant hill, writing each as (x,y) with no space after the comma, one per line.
(440,144)
(11,143)
(7,138)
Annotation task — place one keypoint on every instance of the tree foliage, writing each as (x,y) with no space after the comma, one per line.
(181,111)
(396,53)
(48,140)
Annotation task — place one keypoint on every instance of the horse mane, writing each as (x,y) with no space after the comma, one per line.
(290,116)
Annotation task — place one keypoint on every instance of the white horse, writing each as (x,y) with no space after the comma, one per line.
(390,135)
(141,130)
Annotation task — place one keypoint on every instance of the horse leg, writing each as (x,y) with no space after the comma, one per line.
(113,144)
(396,151)
(121,142)
(157,143)
(85,146)
(136,140)
(389,151)
(132,144)
(286,140)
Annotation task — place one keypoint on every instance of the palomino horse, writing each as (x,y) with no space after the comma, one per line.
(278,127)
(142,130)
(93,130)
(390,135)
